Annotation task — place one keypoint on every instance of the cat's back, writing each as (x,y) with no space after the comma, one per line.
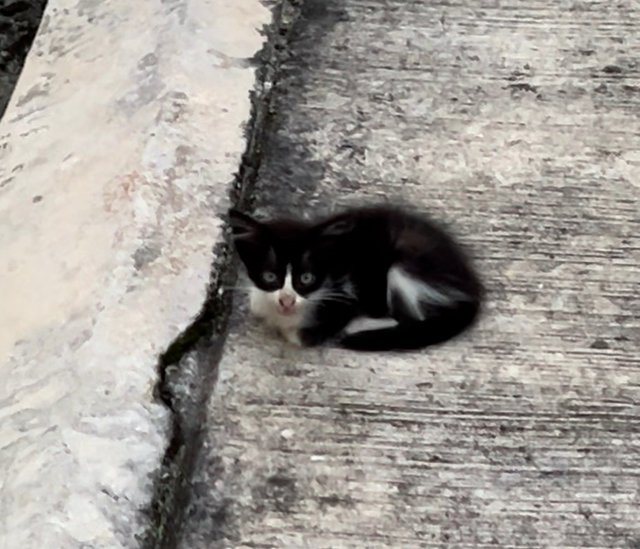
(411,235)
(385,232)
(387,237)
(396,225)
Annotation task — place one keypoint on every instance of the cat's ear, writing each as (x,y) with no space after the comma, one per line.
(337,227)
(249,238)
(243,226)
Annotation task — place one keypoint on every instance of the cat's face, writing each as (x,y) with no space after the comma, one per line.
(286,261)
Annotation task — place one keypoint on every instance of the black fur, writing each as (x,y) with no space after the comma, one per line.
(358,247)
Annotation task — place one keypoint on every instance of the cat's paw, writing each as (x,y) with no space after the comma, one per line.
(311,338)
(292,336)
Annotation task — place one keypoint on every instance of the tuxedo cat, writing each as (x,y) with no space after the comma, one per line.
(372,278)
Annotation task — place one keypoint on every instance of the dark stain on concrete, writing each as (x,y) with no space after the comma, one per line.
(173,106)
(523,86)
(278,493)
(612,69)
(145,255)
(335,500)
(599,344)
(148,85)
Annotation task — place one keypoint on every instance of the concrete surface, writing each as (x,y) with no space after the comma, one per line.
(518,123)
(117,152)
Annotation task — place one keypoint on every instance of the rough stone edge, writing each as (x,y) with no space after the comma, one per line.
(187,370)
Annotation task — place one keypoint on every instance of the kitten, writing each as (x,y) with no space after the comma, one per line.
(374,278)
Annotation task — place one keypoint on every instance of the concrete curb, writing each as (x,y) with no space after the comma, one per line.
(117,150)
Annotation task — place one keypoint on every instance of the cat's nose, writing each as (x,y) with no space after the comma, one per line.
(287,301)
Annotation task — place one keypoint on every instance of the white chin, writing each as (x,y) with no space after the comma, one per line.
(264,306)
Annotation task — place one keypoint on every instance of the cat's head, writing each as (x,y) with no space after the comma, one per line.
(292,262)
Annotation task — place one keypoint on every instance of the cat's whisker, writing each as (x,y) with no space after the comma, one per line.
(335,301)
(339,296)
(331,297)
(325,297)
(338,292)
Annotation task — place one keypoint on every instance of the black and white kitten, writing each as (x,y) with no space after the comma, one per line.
(374,278)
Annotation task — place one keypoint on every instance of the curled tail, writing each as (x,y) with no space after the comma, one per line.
(407,334)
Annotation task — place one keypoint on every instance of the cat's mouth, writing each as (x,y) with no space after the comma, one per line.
(286,311)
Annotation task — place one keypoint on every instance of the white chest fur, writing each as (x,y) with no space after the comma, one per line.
(264,305)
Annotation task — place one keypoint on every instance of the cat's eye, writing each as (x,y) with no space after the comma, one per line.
(307,278)
(269,277)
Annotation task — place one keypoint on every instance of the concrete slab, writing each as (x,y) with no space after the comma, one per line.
(117,152)
(518,123)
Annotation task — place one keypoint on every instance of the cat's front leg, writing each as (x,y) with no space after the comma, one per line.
(292,335)
(303,337)
(327,328)
(312,336)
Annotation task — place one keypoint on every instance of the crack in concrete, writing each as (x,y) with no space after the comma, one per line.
(187,370)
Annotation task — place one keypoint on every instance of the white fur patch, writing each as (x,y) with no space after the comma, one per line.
(349,289)
(414,292)
(367,324)
(288,284)
(264,305)
(292,336)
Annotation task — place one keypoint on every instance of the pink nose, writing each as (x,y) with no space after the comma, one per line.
(287,301)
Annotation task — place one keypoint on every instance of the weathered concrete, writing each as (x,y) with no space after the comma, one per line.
(116,155)
(518,122)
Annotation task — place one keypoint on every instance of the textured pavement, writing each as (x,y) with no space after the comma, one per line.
(518,124)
